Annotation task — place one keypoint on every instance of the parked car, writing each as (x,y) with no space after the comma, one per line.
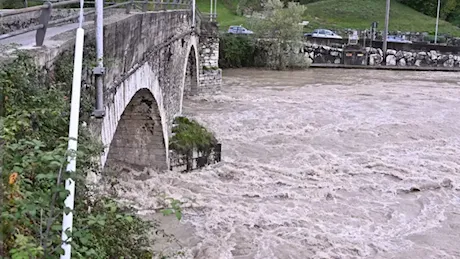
(392,38)
(238,29)
(324,33)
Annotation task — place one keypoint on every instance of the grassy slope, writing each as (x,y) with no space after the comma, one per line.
(360,14)
(225,12)
(334,14)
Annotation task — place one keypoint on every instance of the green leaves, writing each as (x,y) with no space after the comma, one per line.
(188,134)
(33,136)
(280,25)
(236,51)
(25,248)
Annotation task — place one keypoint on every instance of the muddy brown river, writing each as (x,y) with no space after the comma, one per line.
(320,164)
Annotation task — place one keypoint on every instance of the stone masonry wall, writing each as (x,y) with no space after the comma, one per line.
(209,52)
(143,53)
(210,74)
(321,54)
(146,51)
(139,139)
(127,42)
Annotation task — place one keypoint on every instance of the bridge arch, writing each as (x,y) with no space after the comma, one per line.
(147,99)
(135,130)
(190,81)
(139,140)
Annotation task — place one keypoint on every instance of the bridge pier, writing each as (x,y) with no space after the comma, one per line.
(210,74)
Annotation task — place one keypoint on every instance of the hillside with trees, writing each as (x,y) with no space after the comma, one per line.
(406,15)
(450,9)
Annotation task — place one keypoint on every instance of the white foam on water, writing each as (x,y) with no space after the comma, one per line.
(323,164)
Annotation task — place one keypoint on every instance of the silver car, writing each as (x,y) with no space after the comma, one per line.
(239,30)
(324,33)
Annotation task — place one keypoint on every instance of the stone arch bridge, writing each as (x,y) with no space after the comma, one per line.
(153,60)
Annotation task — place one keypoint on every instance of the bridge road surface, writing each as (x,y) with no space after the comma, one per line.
(27,40)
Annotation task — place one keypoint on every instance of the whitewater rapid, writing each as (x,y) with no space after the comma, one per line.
(319,164)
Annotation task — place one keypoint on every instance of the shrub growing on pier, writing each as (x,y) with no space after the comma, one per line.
(189,135)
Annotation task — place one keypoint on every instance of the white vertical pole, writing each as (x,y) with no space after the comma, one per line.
(73,136)
(437,23)
(385,32)
(193,13)
(210,12)
(215,10)
(67,220)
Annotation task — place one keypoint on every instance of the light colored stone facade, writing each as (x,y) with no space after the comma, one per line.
(210,74)
(209,53)
(210,80)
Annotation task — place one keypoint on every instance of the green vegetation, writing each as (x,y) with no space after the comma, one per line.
(34,131)
(359,14)
(282,32)
(226,13)
(189,134)
(281,25)
(450,9)
(236,51)
(340,14)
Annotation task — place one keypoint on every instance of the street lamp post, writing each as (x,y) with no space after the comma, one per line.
(437,23)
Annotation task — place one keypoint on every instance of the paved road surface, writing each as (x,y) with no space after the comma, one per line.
(27,40)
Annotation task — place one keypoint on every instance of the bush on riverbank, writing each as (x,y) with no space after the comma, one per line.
(247,52)
(236,51)
(35,119)
(276,43)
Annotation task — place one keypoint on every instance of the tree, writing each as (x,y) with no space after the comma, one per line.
(429,7)
(281,25)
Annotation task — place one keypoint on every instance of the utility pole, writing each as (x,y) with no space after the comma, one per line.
(193,14)
(67,220)
(99,70)
(215,10)
(437,23)
(385,32)
(210,12)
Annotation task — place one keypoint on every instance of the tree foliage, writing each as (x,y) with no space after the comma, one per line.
(33,158)
(280,24)
(236,51)
(189,134)
(450,9)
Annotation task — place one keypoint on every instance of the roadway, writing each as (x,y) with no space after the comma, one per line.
(52,39)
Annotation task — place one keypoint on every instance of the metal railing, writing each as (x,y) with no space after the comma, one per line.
(47,7)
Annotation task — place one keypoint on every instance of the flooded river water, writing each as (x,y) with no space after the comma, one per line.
(323,164)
